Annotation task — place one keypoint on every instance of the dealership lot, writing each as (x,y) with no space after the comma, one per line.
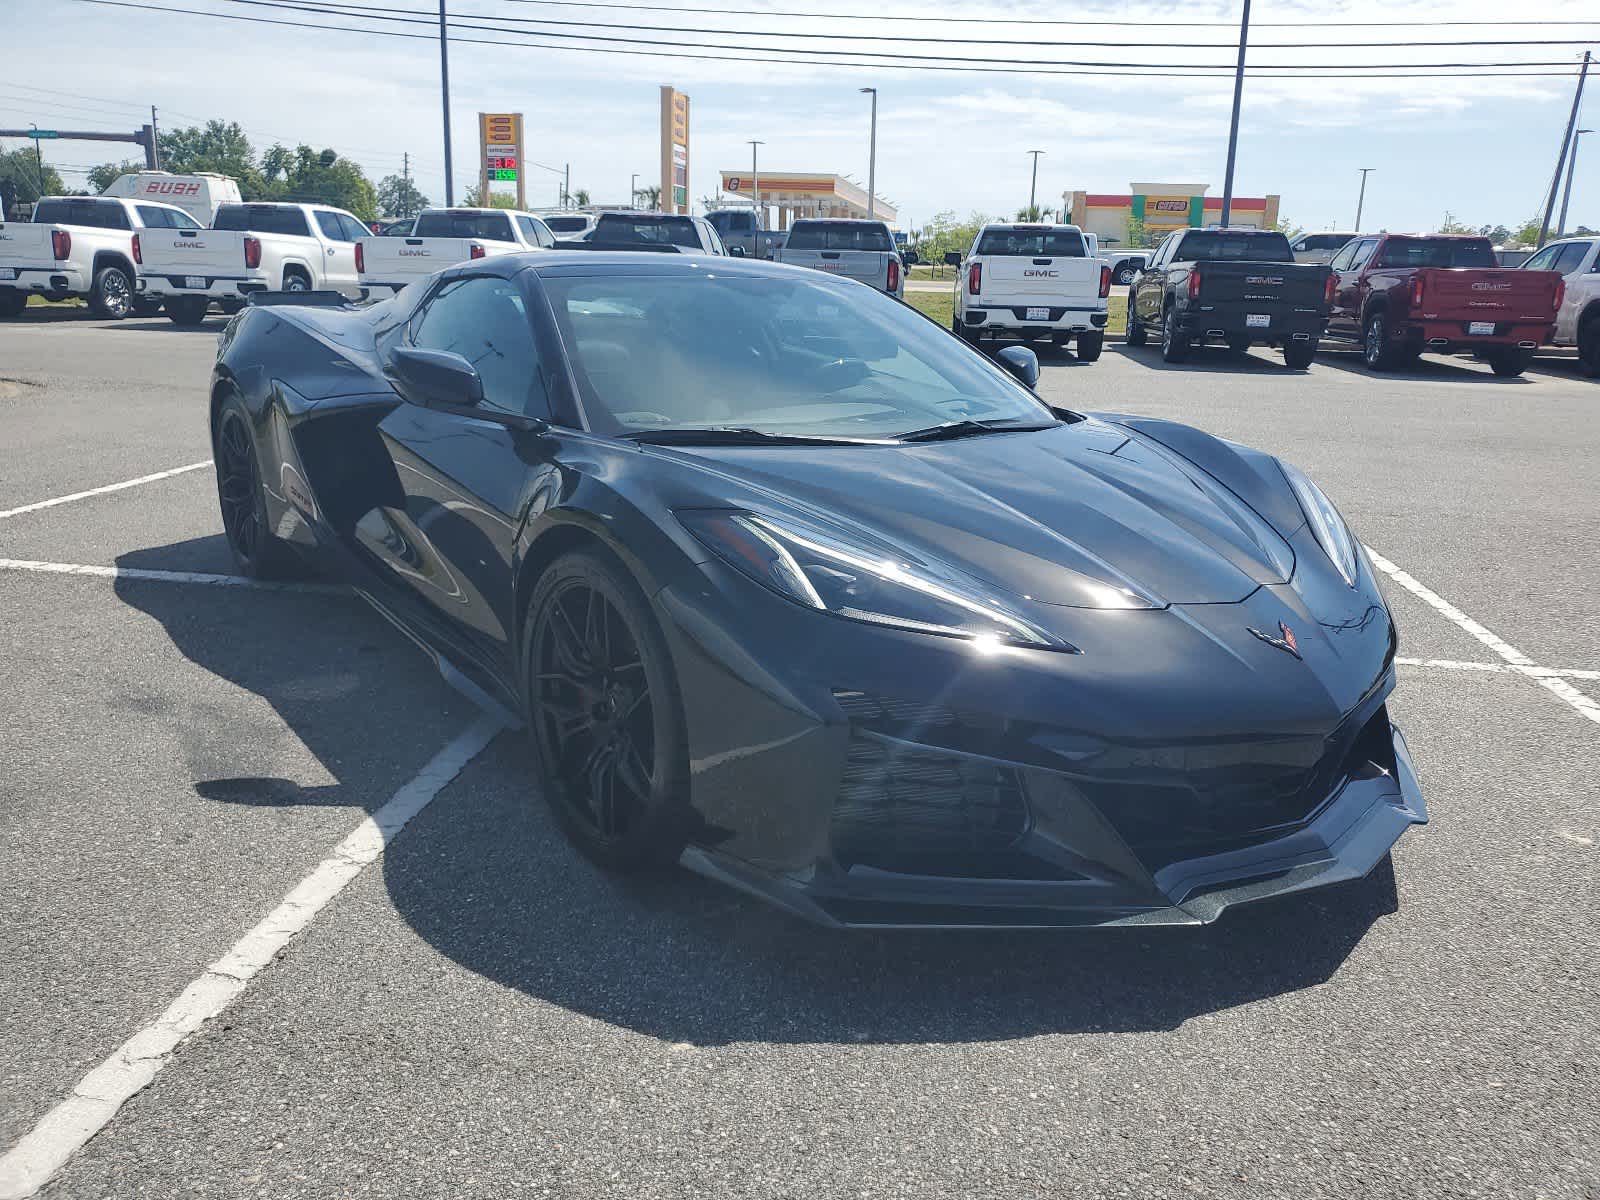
(480,1013)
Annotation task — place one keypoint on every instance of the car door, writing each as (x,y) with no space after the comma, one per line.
(338,252)
(465,473)
(1152,283)
(1337,266)
(1349,293)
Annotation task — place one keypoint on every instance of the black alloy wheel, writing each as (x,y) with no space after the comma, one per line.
(604,715)
(1376,350)
(1174,344)
(12,302)
(294,281)
(258,553)
(1136,334)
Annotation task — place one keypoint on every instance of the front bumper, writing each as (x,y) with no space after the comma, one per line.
(1014,319)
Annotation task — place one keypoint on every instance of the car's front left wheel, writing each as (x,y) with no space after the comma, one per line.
(603,709)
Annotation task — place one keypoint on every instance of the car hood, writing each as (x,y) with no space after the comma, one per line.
(1088,515)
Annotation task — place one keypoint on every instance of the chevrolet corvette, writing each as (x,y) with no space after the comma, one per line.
(791,586)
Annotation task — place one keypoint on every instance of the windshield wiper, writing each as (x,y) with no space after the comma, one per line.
(732,435)
(968,428)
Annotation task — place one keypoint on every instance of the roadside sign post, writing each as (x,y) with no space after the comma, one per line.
(500,155)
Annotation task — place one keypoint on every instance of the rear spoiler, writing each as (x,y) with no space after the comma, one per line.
(301,299)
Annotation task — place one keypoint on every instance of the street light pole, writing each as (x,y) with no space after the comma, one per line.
(1361,200)
(633,190)
(755,185)
(444,92)
(1033,188)
(872,157)
(1566,193)
(1566,145)
(1233,129)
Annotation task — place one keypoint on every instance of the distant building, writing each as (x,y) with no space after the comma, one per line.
(1161,208)
(797,194)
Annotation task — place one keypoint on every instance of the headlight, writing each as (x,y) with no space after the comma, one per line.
(850,578)
(1332,534)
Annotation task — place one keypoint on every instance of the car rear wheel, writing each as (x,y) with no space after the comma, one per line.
(1174,343)
(604,714)
(1510,363)
(12,302)
(1589,347)
(187,310)
(111,296)
(1125,274)
(258,553)
(146,306)
(1377,351)
(1137,336)
(1297,356)
(294,280)
(1089,346)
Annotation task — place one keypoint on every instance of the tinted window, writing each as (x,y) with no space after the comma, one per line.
(839,235)
(1324,241)
(564,225)
(732,223)
(712,241)
(354,230)
(1570,258)
(779,354)
(1363,252)
(484,320)
(1437,252)
(674,231)
(1542,260)
(491,226)
(1210,244)
(397,229)
(1031,243)
(1341,260)
(332,228)
(90,214)
(153,216)
(534,232)
(262,218)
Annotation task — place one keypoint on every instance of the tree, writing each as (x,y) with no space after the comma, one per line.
(103,176)
(22,182)
(1498,234)
(399,197)
(474,199)
(581,197)
(219,146)
(1286,227)
(945,232)
(651,196)
(318,177)
(1528,234)
(1032,212)
(1451,225)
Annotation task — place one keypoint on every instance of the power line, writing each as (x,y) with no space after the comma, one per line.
(1373,71)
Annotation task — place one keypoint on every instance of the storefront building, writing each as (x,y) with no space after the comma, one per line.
(796,194)
(1159,208)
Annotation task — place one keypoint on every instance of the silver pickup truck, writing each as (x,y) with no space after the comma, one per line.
(860,250)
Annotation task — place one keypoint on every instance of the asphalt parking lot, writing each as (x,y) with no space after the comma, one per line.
(479,1013)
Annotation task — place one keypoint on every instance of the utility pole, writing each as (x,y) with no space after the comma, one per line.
(1361,200)
(1561,159)
(566,186)
(155,140)
(1033,188)
(405,174)
(444,92)
(1566,194)
(1233,128)
(633,189)
(38,158)
(872,157)
(755,185)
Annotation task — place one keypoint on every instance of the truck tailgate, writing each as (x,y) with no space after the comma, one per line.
(25,245)
(1293,285)
(1485,294)
(205,253)
(389,259)
(867,266)
(1005,276)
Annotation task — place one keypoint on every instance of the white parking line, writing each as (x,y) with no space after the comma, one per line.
(200,577)
(1518,663)
(1450,664)
(101,491)
(67,1127)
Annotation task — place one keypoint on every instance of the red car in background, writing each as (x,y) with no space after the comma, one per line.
(1397,295)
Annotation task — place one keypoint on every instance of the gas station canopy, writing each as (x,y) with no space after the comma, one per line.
(803,194)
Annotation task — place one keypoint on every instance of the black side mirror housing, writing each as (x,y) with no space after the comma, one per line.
(952,258)
(1021,362)
(735,251)
(435,378)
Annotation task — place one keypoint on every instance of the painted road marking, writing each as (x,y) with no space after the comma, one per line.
(67,1128)
(101,491)
(1518,662)
(199,577)
(1450,664)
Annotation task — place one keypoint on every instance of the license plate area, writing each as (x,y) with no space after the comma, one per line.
(1036,314)
(194,281)
(1480,328)
(1257,320)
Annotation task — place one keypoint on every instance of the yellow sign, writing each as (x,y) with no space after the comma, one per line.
(674,151)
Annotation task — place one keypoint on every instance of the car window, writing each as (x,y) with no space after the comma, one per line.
(262,218)
(464,223)
(562,226)
(713,242)
(1323,241)
(1542,260)
(1031,243)
(332,228)
(840,235)
(153,216)
(774,353)
(1570,257)
(1341,260)
(1363,252)
(89,214)
(533,232)
(484,320)
(1208,245)
(732,223)
(673,231)
(354,228)
(1437,252)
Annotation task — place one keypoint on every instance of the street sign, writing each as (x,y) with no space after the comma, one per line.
(43,133)
(500,153)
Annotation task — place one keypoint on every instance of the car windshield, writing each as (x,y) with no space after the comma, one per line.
(731,223)
(839,235)
(491,227)
(780,356)
(262,218)
(670,231)
(1207,245)
(565,224)
(1437,252)
(1031,243)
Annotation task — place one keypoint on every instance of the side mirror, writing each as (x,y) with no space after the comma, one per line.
(435,378)
(952,258)
(1021,362)
(735,251)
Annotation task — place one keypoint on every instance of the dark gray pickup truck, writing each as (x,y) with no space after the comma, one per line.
(1238,287)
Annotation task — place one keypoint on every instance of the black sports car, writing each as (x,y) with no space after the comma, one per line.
(793,586)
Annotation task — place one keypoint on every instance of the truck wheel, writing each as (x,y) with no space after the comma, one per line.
(146,306)
(1589,347)
(1297,356)
(1137,336)
(294,280)
(187,310)
(1377,351)
(1510,363)
(111,297)
(12,302)
(1174,342)
(1125,274)
(1089,345)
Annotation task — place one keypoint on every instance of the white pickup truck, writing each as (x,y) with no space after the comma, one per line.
(859,250)
(81,246)
(1034,281)
(252,248)
(442,238)
(1578,318)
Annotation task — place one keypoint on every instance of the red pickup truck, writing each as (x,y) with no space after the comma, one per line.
(1396,295)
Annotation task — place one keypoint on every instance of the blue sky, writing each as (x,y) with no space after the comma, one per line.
(1480,147)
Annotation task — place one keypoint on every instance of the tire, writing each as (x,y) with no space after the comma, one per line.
(111,296)
(1137,335)
(1589,347)
(12,302)
(1089,346)
(604,715)
(295,280)
(144,307)
(187,310)
(230,307)
(1297,356)
(1238,343)
(1508,364)
(257,552)
(1124,275)
(1174,343)
(1377,350)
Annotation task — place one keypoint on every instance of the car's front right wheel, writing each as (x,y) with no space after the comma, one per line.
(604,714)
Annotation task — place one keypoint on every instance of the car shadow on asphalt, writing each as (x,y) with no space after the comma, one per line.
(65,315)
(1216,360)
(1430,368)
(485,877)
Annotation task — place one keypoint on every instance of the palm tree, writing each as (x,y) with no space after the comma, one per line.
(581,197)
(1033,212)
(650,195)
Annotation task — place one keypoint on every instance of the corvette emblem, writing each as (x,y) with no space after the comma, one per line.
(1286,643)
